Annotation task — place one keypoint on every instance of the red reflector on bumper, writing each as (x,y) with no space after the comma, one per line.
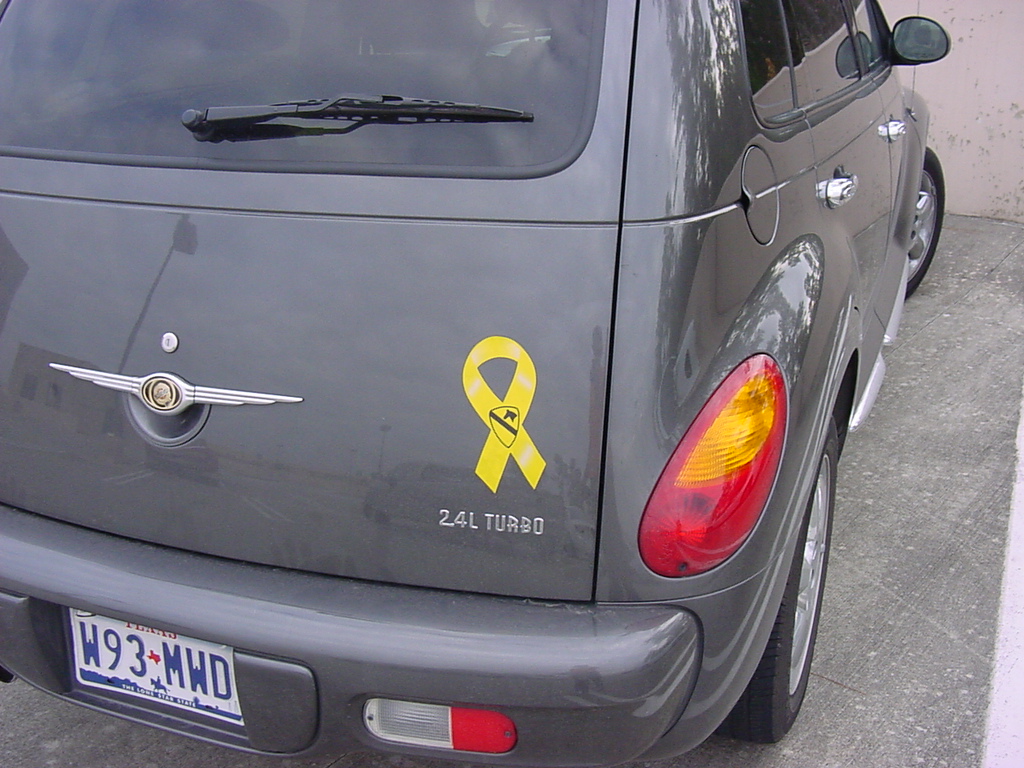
(482,730)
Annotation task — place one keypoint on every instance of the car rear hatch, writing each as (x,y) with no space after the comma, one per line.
(376,351)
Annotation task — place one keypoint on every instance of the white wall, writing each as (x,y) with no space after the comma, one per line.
(976,95)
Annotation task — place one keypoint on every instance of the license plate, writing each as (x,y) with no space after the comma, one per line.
(155,664)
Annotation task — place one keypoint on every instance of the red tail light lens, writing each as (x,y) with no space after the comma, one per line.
(714,487)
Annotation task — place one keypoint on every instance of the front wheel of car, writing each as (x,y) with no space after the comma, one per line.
(769,705)
(928,213)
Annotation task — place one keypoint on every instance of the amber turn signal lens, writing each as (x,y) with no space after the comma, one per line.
(717,481)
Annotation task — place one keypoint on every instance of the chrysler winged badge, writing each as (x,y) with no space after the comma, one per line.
(168,394)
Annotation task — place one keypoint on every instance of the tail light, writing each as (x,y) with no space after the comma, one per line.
(436,725)
(714,487)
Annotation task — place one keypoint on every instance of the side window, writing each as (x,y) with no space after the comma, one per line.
(871,35)
(825,62)
(768,57)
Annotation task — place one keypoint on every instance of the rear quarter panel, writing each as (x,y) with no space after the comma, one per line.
(698,293)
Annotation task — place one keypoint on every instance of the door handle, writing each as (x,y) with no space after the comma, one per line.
(838,191)
(893,130)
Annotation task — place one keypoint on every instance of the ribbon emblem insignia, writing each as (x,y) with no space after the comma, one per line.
(505,424)
(504,417)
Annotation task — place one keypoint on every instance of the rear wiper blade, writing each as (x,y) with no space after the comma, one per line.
(236,123)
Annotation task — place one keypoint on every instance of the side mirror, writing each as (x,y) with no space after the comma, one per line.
(916,40)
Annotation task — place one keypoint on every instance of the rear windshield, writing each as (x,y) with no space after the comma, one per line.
(109,81)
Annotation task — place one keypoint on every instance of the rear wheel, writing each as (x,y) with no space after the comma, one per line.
(769,705)
(928,212)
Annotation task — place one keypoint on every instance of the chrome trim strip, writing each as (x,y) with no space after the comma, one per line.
(692,219)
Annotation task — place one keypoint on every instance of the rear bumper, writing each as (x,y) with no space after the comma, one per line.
(584,683)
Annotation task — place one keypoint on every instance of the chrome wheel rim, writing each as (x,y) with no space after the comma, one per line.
(812,575)
(924,224)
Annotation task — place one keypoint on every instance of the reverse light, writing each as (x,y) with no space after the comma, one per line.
(716,483)
(434,725)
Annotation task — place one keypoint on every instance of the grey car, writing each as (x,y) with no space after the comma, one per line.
(461,379)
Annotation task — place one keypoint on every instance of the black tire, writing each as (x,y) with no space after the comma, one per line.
(769,705)
(927,226)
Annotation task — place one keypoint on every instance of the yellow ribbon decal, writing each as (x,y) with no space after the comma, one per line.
(504,417)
